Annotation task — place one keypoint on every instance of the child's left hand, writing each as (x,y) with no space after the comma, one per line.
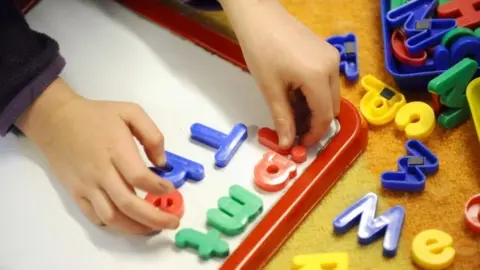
(282,54)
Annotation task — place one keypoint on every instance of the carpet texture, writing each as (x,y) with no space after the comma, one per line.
(440,206)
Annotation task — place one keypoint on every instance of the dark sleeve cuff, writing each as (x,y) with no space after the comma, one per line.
(207,5)
(29,94)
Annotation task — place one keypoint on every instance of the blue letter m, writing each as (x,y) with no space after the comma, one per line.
(362,212)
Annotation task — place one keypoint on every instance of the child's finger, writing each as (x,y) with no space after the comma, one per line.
(134,207)
(335,90)
(145,130)
(318,94)
(134,171)
(282,114)
(88,211)
(112,217)
(301,111)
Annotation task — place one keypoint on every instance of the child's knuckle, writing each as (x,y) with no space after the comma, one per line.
(327,118)
(139,178)
(157,140)
(317,69)
(111,217)
(125,204)
(135,108)
(76,193)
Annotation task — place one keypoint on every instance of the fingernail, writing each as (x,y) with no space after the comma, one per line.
(162,160)
(284,140)
(153,233)
(166,189)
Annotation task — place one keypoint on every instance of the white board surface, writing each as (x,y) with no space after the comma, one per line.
(113,54)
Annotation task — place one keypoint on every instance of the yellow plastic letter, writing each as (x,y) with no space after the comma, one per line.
(432,249)
(381,102)
(473,98)
(417,119)
(321,261)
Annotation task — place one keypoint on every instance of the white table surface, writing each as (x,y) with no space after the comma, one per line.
(114,54)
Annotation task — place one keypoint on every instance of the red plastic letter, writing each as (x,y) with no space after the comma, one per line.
(299,153)
(401,53)
(467,12)
(171,203)
(269,138)
(436,105)
(274,171)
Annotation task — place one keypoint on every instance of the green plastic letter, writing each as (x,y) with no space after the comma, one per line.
(207,245)
(452,84)
(235,212)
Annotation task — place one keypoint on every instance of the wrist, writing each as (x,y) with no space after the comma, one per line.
(33,122)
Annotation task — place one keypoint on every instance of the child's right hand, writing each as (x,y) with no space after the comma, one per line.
(90,147)
(282,55)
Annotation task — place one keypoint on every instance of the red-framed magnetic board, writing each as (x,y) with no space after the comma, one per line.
(310,187)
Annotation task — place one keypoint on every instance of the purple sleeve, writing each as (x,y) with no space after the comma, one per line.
(208,5)
(29,62)
(27,95)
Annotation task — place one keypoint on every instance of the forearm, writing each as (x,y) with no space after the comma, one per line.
(29,62)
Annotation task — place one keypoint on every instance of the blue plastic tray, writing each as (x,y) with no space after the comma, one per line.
(405,81)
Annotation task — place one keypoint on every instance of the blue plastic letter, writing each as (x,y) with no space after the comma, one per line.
(440,60)
(417,149)
(441,57)
(226,145)
(466,47)
(390,223)
(412,169)
(347,47)
(179,169)
(422,33)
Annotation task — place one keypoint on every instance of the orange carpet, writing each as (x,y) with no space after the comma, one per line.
(440,206)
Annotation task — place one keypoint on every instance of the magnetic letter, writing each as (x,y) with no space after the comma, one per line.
(466,12)
(269,138)
(208,245)
(432,249)
(422,33)
(452,84)
(273,172)
(413,169)
(226,144)
(171,203)
(381,102)
(390,223)
(417,119)
(337,261)
(235,212)
(179,169)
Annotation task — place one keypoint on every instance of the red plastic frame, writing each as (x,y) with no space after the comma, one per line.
(188,28)
(26,5)
(307,191)
(310,187)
